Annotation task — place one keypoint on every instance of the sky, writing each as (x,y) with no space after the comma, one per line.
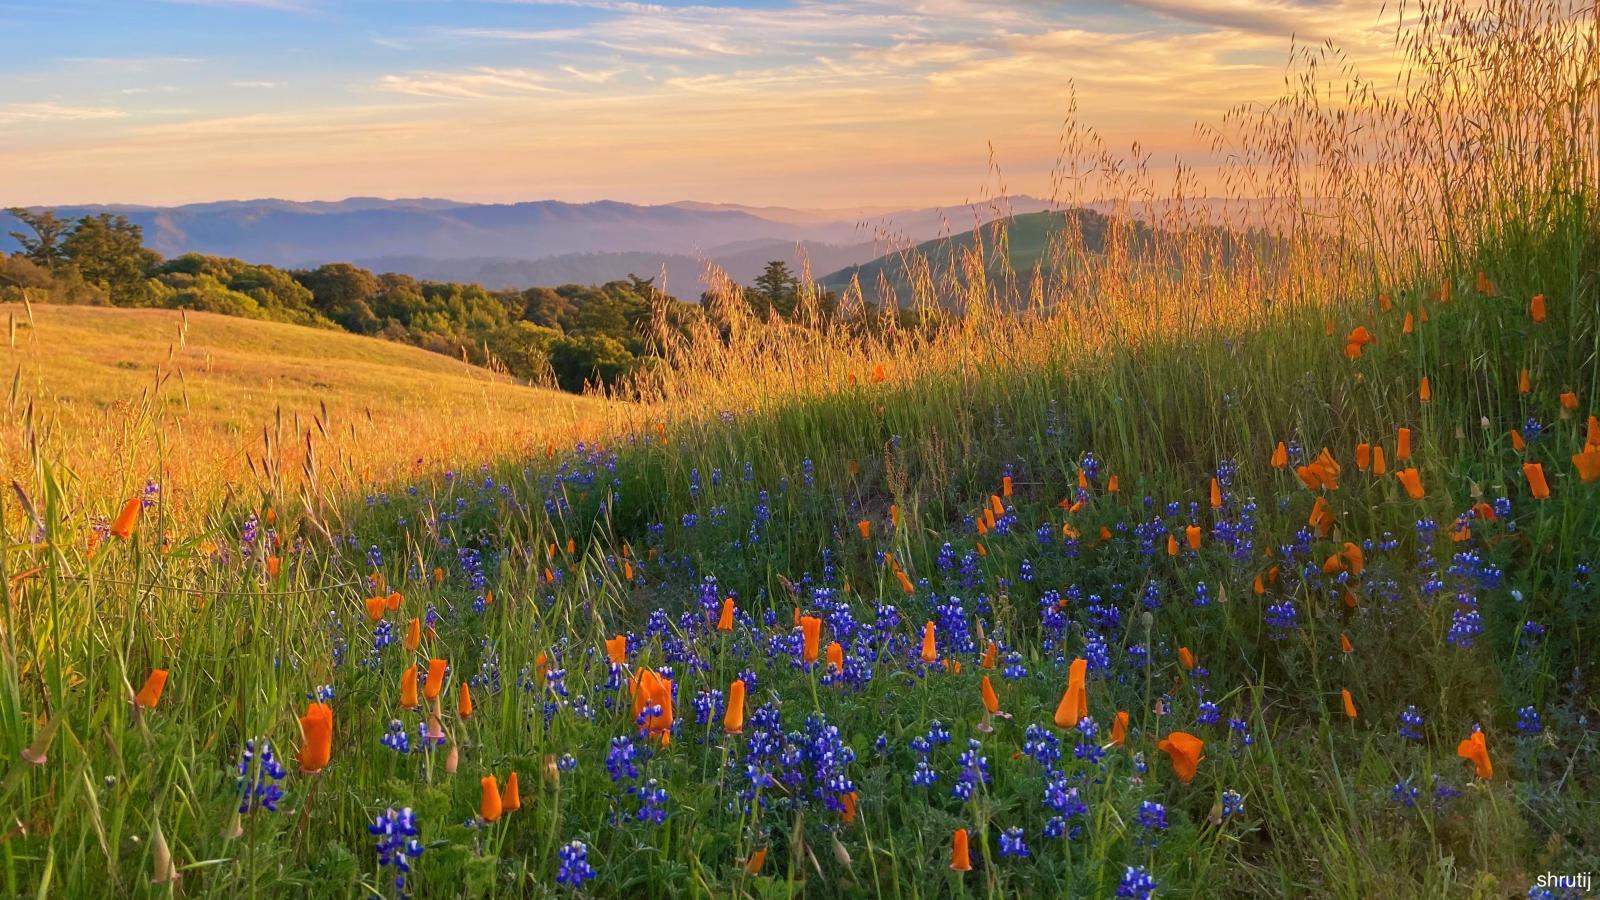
(802,103)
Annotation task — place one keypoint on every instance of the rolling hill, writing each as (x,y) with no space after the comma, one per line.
(216,381)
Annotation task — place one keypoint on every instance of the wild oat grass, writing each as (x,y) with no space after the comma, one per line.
(1080,467)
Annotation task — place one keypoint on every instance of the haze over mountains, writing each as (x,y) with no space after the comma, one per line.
(542,242)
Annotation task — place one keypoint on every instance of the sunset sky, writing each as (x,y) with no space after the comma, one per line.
(815,103)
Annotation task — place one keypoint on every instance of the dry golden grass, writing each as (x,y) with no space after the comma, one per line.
(225,401)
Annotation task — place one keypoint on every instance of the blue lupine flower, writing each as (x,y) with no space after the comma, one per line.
(1013,842)
(575,868)
(1137,884)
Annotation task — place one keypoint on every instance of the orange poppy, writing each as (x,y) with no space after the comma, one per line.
(1192,534)
(1569,401)
(1534,472)
(376,607)
(127,520)
(1006,485)
(490,806)
(1186,752)
(865,527)
(1411,480)
(1402,445)
(835,657)
(848,801)
(1476,749)
(930,647)
(1355,557)
(1379,467)
(1409,325)
(1518,443)
(1185,658)
(1536,308)
(1112,485)
(1280,455)
(650,689)
(617,649)
(316,730)
(1074,705)
(414,635)
(989,654)
(753,864)
(464,704)
(810,638)
(1344,643)
(960,855)
(1119,728)
(274,566)
(1588,464)
(1172,545)
(991,701)
(1349,704)
(725,620)
(150,694)
(511,801)
(733,719)
(435,682)
(1524,382)
(1216,494)
(1425,392)
(1363,456)
(408,687)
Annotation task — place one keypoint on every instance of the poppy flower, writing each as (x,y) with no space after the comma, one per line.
(408,687)
(754,863)
(150,694)
(1476,749)
(316,731)
(127,520)
(1569,401)
(1536,308)
(1592,439)
(930,647)
(1119,728)
(1363,456)
(725,620)
(1411,480)
(1192,534)
(996,507)
(835,657)
(1172,545)
(1280,456)
(435,682)
(865,527)
(1379,466)
(989,654)
(1216,494)
(960,854)
(1006,485)
(1322,517)
(991,701)
(1588,464)
(1408,326)
(1524,382)
(1425,392)
(894,514)
(617,649)
(376,607)
(1074,705)
(274,566)
(414,635)
(511,800)
(1186,752)
(1518,442)
(1384,303)
(490,805)
(650,689)
(1402,444)
(1185,658)
(1344,643)
(395,600)
(733,719)
(1355,557)
(1534,472)
(848,801)
(464,702)
(1349,704)
(811,638)
(1112,485)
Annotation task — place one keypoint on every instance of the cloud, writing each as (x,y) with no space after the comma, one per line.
(258,84)
(475,84)
(15,113)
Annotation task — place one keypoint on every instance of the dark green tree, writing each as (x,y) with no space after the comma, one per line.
(44,245)
(344,293)
(109,251)
(775,291)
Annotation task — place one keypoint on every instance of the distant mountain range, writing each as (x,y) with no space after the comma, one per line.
(542,242)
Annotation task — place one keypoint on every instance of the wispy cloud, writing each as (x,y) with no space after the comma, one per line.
(475,84)
(14,113)
(258,84)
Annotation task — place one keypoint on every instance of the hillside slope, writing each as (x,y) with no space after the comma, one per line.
(217,381)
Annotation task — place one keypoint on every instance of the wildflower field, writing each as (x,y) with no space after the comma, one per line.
(1236,560)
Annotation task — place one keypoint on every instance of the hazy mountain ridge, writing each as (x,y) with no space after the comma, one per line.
(431,237)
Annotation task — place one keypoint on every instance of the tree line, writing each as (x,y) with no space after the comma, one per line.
(569,336)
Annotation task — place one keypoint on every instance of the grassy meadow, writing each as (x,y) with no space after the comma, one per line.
(1198,568)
